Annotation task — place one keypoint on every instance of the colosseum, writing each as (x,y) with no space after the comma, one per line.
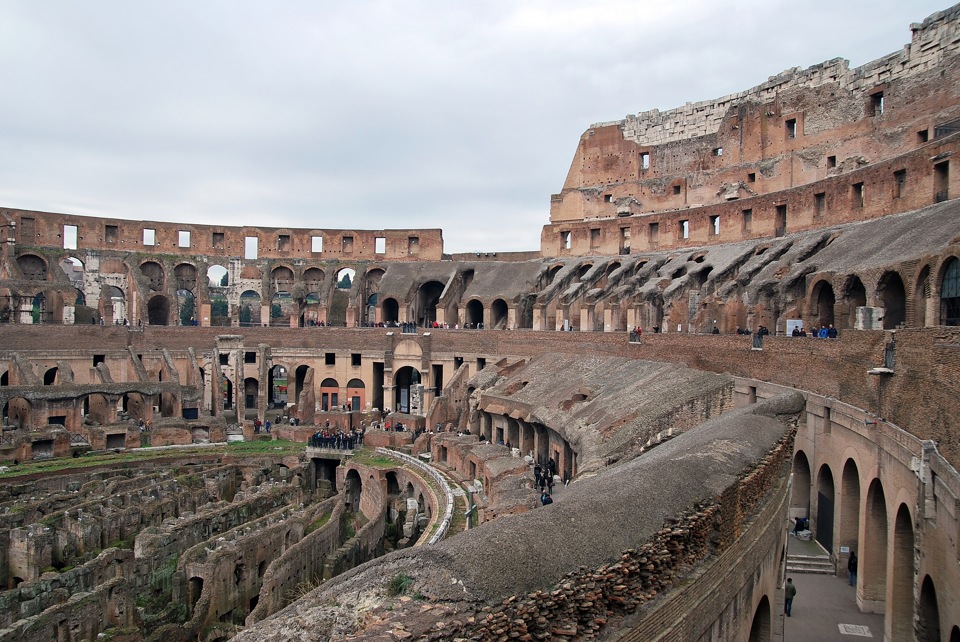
(743,313)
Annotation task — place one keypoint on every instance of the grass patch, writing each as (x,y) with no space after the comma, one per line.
(399,584)
(317,523)
(374,459)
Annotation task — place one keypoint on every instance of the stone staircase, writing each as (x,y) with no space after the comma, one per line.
(808,557)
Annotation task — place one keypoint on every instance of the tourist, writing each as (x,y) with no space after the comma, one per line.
(831,332)
(545,499)
(790,592)
(852,568)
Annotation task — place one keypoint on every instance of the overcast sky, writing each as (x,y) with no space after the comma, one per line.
(372,115)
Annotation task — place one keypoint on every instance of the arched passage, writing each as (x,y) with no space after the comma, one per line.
(427,299)
(251,391)
(893,298)
(391,311)
(872,590)
(155,276)
(950,293)
(760,628)
(849,529)
(854,296)
(800,498)
(158,310)
(899,622)
(921,298)
(329,394)
(823,303)
(278,386)
(187,306)
(825,507)
(356,394)
(249,311)
(301,376)
(406,384)
(353,487)
(928,621)
(955,634)
(50,376)
(498,314)
(474,314)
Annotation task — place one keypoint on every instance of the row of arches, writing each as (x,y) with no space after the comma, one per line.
(842,516)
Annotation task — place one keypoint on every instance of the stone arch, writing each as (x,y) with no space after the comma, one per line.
(299,380)
(158,310)
(826,498)
(872,590)
(922,295)
(17,412)
(428,297)
(800,498)
(281,279)
(849,529)
(551,274)
(251,393)
(249,308)
(955,634)
(760,629)
(5,378)
(353,488)
(185,275)
(499,314)
(950,292)
(474,315)
(313,279)
(277,386)
(50,376)
(928,620)
(345,278)
(854,296)
(822,302)
(390,310)
(582,270)
(371,294)
(115,304)
(406,384)
(899,622)
(187,307)
(153,271)
(217,276)
(282,308)
(892,296)
(393,485)
(73,268)
(32,267)
(329,394)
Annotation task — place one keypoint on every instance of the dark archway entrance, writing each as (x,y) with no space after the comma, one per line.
(825,507)
(406,383)
(158,310)
(893,296)
(474,314)
(427,299)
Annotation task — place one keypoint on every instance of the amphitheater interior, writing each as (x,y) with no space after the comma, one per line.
(743,311)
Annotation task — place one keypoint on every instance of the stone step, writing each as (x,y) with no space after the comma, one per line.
(810,564)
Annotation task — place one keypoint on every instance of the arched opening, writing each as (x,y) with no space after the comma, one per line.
(873,559)
(154,273)
(893,297)
(186,303)
(955,634)
(825,506)
(550,275)
(32,267)
(249,309)
(227,392)
(849,529)
(950,293)
(391,311)
(251,392)
(900,620)
(474,314)
(158,310)
(353,488)
(393,486)
(282,308)
(50,376)
(277,390)
(329,395)
(427,299)
(345,278)
(823,303)
(854,296)
(299,382)
(116,306)
(356,395)
(281,279)
(760,628)
(217,276)
(498,314)
(194,589)
(5,378)
(800,498)
(39,313)
(928,622)
(406,383)
(219,307)
(16,412)
(186,276)
(313,279)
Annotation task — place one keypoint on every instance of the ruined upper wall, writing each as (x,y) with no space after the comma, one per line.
(48,229)
(933,40)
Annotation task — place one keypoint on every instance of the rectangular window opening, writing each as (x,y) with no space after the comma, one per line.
(608,198)
(330,358)
(316,244)
(653,233)
(831,161)
(899,183)
(355,359)
(676,189)
(715,225)
(283,242)
(250,244)
(718,151)
(923,135)
(941,181)
(224,359)
(781,223)
(413,245)
(380,245)
(819,203)
(684,229)
(645,160)
(747,221)
(594,238)
(250,357)
(70,236)
(481,363)
(791,128)
(346,244)
(183,238)
(111,233)
(751,177)
(624,240)
(217,240)
(98,359)
(856,195)
(876,104)
(565,240)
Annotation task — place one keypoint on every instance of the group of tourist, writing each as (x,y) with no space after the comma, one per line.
(543,478)
(825,332)
(327,437)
